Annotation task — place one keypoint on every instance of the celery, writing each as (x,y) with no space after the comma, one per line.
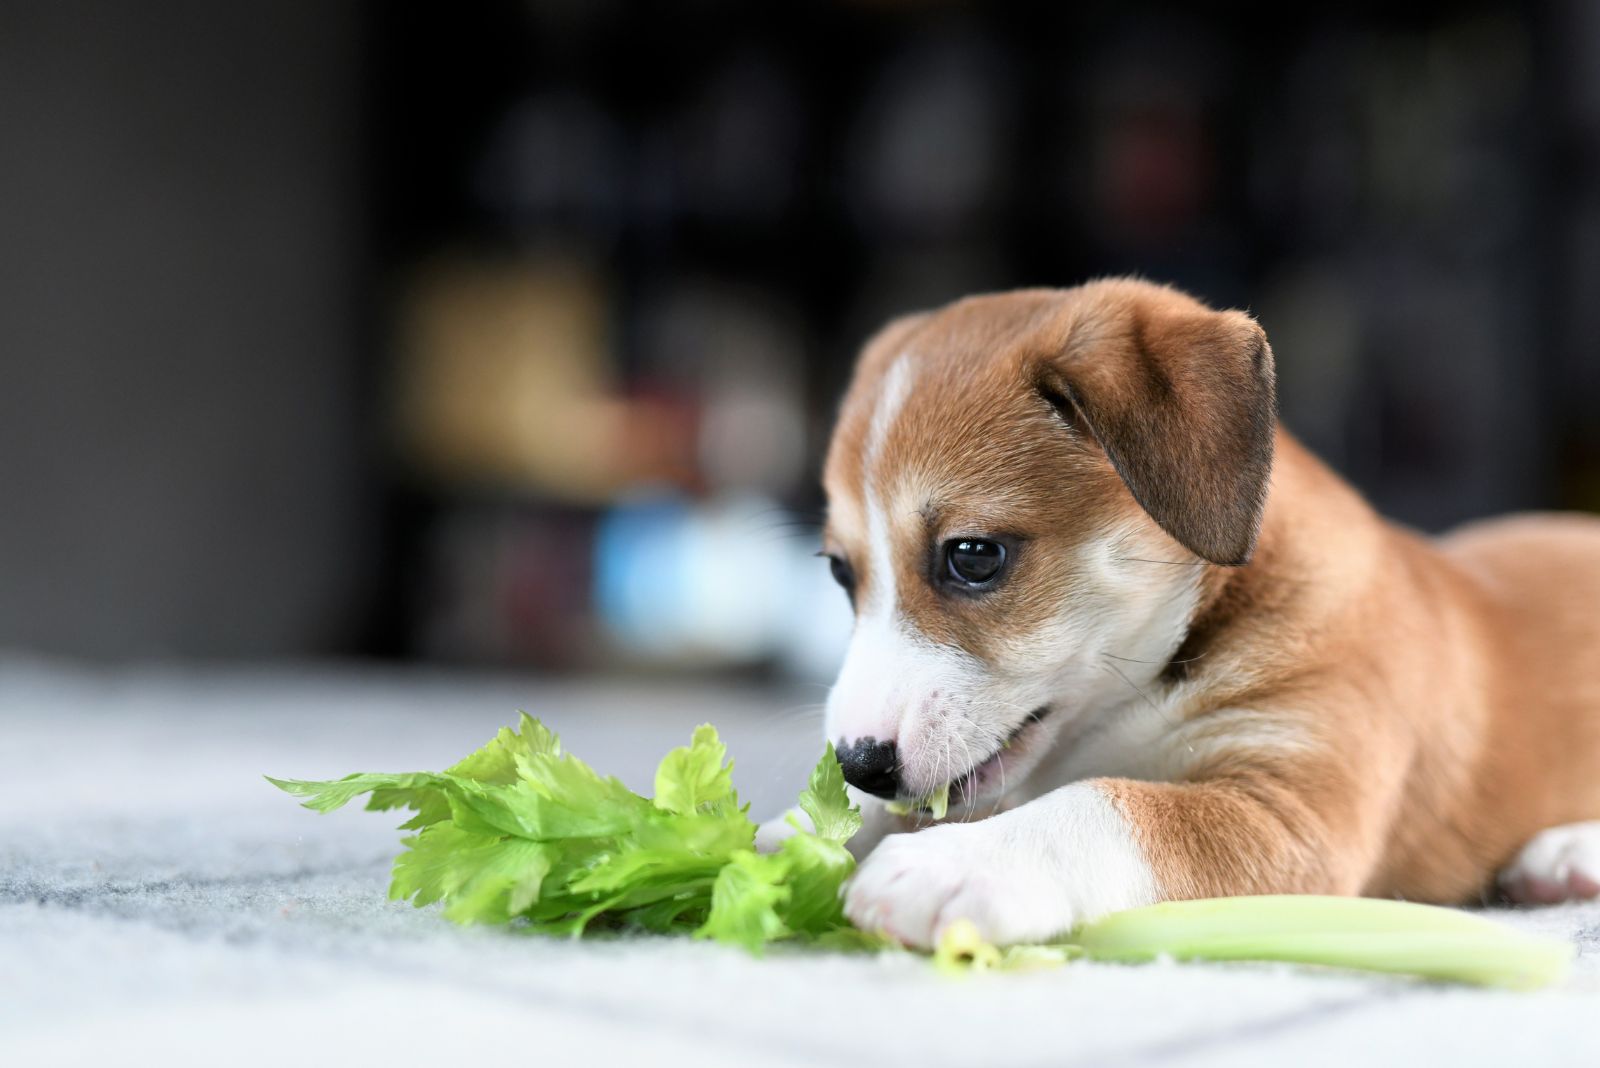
(1349,932)
(936,804)
(1345,932)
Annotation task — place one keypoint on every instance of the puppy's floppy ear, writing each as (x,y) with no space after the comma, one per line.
(1181,398)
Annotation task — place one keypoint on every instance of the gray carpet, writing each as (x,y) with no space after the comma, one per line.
(160,903)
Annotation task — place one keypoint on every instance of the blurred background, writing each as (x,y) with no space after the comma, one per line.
(508,334)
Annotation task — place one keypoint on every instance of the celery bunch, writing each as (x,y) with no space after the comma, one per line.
(521,830)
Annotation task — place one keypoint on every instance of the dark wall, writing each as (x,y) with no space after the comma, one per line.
(181,467)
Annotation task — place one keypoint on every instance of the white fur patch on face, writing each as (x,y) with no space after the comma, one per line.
(896,388)
(891,398)
(865,701)
(1023,876)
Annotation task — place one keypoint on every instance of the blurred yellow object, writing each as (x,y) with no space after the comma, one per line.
(505,379)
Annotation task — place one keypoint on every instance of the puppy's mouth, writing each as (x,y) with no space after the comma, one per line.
(988,775)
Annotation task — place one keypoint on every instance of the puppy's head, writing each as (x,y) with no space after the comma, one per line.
(1024,493)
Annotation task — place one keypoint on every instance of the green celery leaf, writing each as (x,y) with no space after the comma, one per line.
(496,763)
(745,902)
(432,805)
(648,869)
(416,790)
(824,799)
(438,861)
(481,878)
(538,811)
(504,885)
(562,797)
(563,777)
(683,913)
(818,867)
(719,832)
(696,776)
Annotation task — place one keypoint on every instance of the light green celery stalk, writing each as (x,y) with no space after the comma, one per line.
(1348,932)
(1351,932)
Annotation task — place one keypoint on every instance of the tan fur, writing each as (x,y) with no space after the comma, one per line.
(1446,693)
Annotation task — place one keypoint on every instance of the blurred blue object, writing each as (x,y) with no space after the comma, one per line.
(719,584)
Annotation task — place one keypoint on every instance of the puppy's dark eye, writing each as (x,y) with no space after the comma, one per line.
(974,562)
(842,574)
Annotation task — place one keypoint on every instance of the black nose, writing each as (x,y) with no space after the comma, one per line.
(870,765)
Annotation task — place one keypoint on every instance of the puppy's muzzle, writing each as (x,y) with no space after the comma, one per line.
(870,765)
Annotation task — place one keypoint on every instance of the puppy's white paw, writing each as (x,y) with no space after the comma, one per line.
(913,886)
(1560,864)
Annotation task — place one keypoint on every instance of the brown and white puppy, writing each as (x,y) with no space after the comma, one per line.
(1159,651)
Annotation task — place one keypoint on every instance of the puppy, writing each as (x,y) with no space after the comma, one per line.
(1156,650)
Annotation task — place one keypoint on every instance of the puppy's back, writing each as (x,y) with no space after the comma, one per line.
(1536,578)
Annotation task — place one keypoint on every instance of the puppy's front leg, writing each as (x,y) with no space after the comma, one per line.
(1021,876)
(1094,847)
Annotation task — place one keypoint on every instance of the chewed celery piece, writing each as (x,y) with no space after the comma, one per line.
(936,804)
(1348,932)
(961,948)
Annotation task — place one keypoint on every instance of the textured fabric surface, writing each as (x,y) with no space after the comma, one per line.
(160,903)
